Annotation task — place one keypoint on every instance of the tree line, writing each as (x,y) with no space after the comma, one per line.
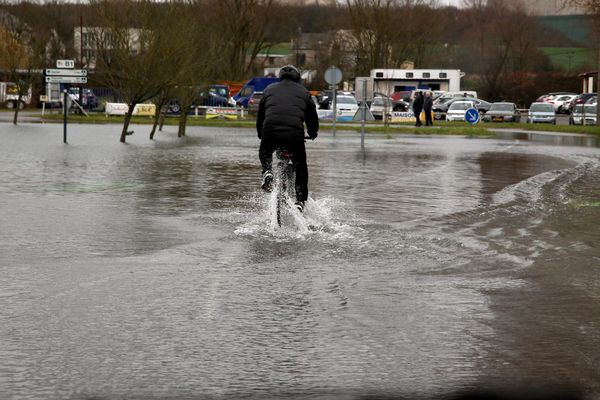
(186,44)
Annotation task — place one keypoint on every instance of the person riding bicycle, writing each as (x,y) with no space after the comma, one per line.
(282,112)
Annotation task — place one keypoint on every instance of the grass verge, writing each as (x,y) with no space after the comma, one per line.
(440,128)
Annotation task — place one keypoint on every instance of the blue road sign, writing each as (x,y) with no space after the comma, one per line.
(472,116)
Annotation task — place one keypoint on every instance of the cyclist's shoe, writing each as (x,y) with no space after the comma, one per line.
(267,182)
(300,206)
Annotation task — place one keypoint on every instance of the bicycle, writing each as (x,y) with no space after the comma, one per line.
(285,178)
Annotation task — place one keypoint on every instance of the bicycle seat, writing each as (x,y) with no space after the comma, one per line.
(284,153)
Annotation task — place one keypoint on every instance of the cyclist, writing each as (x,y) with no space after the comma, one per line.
(282,112)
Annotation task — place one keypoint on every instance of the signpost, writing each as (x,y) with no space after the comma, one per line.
(472,116)
(65,72)
(65,63)
(333,76)
(66,79)
(363,114)
(65,111)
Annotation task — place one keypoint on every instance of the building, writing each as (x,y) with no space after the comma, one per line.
(88,40)
(542,8)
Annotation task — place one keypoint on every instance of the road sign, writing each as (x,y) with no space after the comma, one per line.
(66,79)
(472,116)
(65,63)
(333,75)
(363,114)
(65,72)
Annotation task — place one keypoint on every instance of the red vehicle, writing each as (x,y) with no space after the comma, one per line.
(253,102)
(402,95)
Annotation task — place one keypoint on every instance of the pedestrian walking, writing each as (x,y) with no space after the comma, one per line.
(427,106)
(418,107)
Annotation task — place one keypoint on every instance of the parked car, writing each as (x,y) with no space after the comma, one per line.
(381,106)
(471,94)
(552,95)
(440,108)
(400,105)
(502,112)
(216,96)
(89,99)
(346,106)
(580,99)
(403,95)
(541,112)
(592,100)
(559,102)
(584,113)
(254,101)
(456,111)
(257,84)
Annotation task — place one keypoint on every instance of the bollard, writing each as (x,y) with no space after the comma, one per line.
(65,110)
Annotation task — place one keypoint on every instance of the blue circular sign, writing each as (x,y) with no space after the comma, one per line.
(472,116)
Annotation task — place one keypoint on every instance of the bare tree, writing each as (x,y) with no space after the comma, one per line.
(242,25)
(131,54)
(499,41)
(373,24)
(21,54)
(197,65)
(388,32)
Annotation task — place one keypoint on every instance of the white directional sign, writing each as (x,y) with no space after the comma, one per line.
(333,75)
(65,63)
(65,72)
(66,79)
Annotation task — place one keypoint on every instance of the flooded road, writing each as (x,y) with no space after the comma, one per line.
(421,266)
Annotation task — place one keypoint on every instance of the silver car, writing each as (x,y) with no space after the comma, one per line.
(584,114)
(541,112)
(502,112)
(381,105)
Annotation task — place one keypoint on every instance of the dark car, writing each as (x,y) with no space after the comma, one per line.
(580,99)
(253,102)
(324,99)
(440,108)
(502,112)
(89,99)
(217,96)
(399,105)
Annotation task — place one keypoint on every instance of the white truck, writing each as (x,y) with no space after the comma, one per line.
(9,96)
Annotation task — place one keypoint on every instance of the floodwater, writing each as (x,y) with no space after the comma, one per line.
(421,267)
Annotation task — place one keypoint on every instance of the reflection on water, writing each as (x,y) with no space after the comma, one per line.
(421,266)
(554,139)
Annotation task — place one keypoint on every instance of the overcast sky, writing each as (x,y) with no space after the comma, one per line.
(450,2)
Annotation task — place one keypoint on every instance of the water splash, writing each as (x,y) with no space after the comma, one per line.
(326,218)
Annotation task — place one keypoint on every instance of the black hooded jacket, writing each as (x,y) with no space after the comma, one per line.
(283,110)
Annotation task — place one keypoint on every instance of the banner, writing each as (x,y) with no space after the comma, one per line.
(221,112)
(121,109)
(408,116)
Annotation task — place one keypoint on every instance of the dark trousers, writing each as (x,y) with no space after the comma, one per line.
(428,119)
(417,112)
(296,147)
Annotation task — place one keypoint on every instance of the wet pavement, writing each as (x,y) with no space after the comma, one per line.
(422,265)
